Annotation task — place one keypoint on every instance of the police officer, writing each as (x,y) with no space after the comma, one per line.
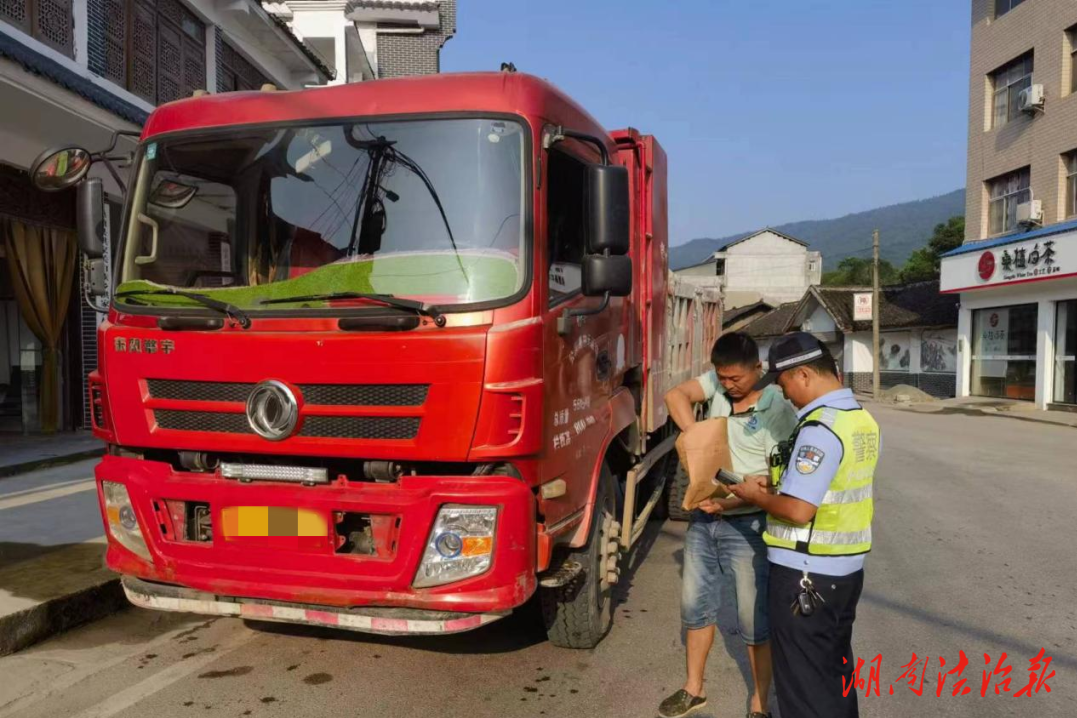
(819,508)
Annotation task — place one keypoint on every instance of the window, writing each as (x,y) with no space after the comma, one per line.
(1004,6)
(1070,205)
(154,48)
(1065,351)
(566,223)
(1007,192)
(1007,83)
(719,267)
(236,73)
(46,20)
(430,210)
(1004,352)
(1072,36)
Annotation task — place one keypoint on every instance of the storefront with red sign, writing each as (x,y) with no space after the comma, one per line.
(1017,326)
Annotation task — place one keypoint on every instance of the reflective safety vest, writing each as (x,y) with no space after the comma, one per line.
(842,523)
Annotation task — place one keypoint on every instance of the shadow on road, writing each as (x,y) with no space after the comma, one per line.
(1016,647)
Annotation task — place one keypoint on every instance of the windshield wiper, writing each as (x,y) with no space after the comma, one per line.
(229,310)
(386,299)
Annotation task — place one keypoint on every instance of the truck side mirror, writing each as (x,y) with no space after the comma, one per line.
(608,220)
(91,218)
(607,273)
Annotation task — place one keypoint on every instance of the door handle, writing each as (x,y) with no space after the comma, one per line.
(602,365)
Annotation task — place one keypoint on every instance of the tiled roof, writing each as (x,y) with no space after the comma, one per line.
(772,323)
(733,315)
(746,237)
(901,306)
(395,5)
(906,305)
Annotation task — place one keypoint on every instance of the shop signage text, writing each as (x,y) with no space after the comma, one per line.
(1033,260)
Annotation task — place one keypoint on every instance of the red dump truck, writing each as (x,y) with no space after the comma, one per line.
(387,356)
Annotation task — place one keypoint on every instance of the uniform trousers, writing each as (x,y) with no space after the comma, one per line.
(808,650)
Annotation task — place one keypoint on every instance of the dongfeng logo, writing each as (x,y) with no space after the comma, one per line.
(272,410)
(986,266)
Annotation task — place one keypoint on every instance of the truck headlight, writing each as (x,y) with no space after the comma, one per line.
(122,521)
(461,545)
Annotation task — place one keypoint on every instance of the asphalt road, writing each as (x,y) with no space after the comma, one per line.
(974,552)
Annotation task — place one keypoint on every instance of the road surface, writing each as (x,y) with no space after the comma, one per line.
(974,552)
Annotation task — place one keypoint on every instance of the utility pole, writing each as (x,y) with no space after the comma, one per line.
(875,315)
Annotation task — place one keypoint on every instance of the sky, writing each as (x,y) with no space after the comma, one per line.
(771,111)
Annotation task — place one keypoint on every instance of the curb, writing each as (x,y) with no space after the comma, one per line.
(12,469)
(24,628)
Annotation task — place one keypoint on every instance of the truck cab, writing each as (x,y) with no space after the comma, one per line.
(381,356)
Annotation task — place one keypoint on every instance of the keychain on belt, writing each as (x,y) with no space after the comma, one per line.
(808,599)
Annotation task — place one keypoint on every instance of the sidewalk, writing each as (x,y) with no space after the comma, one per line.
(983,406)
(52,574)
(20,453)
(54,592)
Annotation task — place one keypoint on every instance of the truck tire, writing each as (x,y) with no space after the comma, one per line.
(678,486)
(580,613)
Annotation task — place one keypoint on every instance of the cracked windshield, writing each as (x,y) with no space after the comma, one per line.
(425,210)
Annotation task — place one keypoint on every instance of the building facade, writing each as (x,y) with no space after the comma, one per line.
(1016,274)
(73,72)
(370,39)
(917,339)
(765,266)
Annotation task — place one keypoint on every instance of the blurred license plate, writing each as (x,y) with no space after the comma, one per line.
(268,521)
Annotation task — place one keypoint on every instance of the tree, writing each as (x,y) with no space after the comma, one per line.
(924,263)
(857,271)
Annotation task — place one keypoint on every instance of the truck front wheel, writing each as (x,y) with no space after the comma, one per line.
(580,613)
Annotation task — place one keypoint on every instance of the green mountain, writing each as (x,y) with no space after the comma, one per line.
(902,228)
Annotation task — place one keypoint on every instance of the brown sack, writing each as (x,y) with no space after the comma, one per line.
(703,449)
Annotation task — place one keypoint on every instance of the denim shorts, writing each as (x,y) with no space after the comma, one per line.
(715,546)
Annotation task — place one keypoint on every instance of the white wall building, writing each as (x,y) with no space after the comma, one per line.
(918,334)
(370,39)
(768,266)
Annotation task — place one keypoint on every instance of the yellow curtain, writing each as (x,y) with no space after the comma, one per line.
(41,263)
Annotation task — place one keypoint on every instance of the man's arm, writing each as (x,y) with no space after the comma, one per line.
(680,400)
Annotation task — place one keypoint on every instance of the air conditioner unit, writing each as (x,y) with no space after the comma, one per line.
(1030,213)
(1031,99)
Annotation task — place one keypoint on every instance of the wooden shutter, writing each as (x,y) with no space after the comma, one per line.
(169,64)
(116,41)
(194,67)
(16,12)
(52,24)
(143,67)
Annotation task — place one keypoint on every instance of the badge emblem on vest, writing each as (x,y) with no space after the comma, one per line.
(808,459)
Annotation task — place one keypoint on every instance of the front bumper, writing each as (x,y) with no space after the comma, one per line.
(384,621)
(311,572)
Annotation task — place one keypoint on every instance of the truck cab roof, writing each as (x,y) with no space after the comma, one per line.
(478,92)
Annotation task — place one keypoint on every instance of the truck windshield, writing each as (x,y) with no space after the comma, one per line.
(431,210)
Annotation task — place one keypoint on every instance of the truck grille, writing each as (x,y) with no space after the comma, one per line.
(320,394)
(326,427)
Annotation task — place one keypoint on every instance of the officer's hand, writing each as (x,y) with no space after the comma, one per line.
(750,489)
(711,506)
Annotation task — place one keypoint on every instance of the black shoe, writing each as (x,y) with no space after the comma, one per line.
(757,714)
(681,703)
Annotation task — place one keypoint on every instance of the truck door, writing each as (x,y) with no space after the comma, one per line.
(581,365)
